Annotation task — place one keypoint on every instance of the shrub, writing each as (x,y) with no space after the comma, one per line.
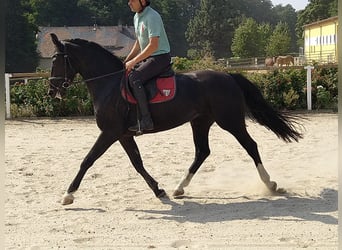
(181,64)
(287,89)
(283,89)
(323,97)
(31,99)
(324,87)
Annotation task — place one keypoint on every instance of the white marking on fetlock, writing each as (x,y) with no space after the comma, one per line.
(68,199)
(265,177)
(183,183)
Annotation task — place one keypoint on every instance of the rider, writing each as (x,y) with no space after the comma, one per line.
(149,56)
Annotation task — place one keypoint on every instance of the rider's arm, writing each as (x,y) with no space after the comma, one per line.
(134,51)
(147,52)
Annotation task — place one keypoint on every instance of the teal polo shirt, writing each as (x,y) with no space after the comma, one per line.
(149,24)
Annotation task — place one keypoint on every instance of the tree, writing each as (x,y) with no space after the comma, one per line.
(250,39)
(260,10)
(211,30)
(287,14)
(246,39)
(21,54)
(58,13)
(176,15)
(280,41)
(265,31)
(108,12)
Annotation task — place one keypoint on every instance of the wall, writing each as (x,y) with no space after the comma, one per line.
(320,41)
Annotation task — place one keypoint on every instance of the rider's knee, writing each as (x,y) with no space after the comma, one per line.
(134,79)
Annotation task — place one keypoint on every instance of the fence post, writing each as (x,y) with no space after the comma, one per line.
(8,99)
(308,86)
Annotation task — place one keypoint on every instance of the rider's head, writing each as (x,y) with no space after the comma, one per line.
(138,5)
(144,3)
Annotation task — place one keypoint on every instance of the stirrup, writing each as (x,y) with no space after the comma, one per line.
(136,128)
(144,124)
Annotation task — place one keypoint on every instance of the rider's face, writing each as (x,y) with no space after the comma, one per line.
(135,5)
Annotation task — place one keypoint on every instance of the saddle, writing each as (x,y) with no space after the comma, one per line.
(159,89)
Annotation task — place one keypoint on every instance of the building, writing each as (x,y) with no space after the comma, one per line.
(320,41)
(117,39)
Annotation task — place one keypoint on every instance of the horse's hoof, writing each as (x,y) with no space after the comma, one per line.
(272,186)
(161,194)
(281,191)
(178,193)
(68,199)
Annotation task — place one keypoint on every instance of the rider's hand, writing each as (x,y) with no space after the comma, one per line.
(130,65)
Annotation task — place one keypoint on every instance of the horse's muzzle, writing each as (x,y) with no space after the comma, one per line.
(54,93)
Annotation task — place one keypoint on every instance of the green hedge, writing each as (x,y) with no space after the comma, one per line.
(287,89)
(31,99)
(283,89)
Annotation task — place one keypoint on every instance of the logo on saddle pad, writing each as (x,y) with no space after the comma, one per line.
(157,90)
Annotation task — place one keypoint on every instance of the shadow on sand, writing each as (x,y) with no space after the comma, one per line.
(287,207)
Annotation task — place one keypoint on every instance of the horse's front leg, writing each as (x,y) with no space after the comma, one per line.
(104,141)
(131,148)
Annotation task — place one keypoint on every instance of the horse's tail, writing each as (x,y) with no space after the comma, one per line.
(281,123)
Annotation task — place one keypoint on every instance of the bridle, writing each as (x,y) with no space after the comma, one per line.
(67,82)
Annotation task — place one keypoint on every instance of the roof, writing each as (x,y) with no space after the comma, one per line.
(328,20)
(117,39)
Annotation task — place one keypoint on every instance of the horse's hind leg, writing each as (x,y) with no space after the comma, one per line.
(237,127)
(200,128)
(252,149)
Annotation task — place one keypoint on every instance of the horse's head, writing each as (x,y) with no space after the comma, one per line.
(62,71)
(78,56)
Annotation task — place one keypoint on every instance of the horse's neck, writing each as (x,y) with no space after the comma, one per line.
(95,72)
(96,65)
(104,89)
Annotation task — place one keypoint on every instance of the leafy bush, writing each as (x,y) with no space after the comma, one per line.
(287,89)
(181,64)
(31,99)
(323,97)
(324,87)
(283,89)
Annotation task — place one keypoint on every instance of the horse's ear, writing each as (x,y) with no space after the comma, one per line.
(56,42)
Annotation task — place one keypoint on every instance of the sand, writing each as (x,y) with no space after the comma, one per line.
(226,206)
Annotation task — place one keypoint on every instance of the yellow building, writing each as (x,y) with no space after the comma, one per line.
(320,41)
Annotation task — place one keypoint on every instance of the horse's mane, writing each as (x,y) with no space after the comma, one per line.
(94,47)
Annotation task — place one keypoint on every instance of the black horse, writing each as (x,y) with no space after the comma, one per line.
(202,98)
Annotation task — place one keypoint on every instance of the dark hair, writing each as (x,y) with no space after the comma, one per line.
(148,2)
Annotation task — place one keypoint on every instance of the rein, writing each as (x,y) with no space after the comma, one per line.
(103,76)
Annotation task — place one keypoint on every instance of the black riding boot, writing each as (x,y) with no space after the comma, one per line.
(146,122)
